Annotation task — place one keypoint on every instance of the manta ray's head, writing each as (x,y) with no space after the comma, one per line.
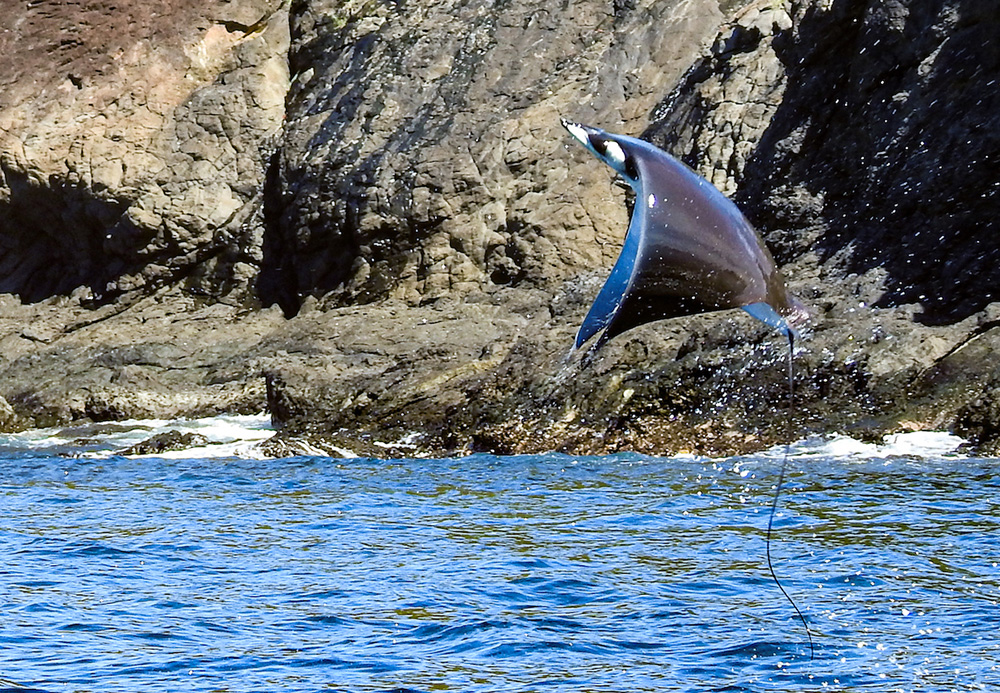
(605,147)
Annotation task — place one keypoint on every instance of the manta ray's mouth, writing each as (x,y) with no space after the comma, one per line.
(598,142)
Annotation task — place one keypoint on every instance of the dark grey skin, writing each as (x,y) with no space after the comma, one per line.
(688,248)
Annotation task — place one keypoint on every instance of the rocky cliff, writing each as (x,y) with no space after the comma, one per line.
(365,217)
(133,142)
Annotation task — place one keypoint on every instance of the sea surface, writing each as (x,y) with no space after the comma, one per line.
(214,570)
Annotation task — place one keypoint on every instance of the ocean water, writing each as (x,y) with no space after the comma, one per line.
(216,570)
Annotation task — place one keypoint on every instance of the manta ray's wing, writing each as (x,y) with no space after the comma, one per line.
(608,305)
(688,248)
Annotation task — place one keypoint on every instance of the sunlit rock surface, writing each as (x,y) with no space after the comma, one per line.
(423,155)
(365,217)
(133,142)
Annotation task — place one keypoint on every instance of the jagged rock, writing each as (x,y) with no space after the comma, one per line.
(860,136)
(166,442)
(167,356)
(979,421)
(423,155)
(9,420)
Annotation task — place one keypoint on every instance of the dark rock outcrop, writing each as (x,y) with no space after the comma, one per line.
(414,204)
(165,442)
(864,133)
(979,421)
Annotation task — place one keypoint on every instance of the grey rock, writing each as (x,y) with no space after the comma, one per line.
(979,421)
(165,356)
(9,420)
(134,141)
(861,137)
(423,155)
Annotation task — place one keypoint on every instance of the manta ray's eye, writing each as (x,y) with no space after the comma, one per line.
(631,170)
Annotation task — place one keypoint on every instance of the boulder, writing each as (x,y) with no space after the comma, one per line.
(167,441)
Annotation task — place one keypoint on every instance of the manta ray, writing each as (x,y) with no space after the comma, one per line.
(688,248)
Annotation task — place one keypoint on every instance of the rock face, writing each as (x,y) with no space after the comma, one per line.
(133,142)
(861,132)
(423,155)
(870,173)
(395,178)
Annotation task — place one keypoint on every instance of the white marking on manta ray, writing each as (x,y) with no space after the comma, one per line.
(651,200)
(615,153)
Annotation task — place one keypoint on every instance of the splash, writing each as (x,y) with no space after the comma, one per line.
(218,436)
(916,444)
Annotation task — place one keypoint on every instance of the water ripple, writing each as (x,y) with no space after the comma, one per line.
(491,574)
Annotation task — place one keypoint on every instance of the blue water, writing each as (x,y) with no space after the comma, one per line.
(546,573)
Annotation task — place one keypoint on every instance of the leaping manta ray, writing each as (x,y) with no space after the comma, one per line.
(688,248)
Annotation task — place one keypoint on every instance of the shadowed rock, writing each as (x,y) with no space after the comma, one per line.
(861,137)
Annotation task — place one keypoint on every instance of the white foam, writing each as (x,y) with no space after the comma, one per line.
(922,443)
(227,436)
(919,444)
(241,436)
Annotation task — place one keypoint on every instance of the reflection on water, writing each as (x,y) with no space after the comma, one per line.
(544,573)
